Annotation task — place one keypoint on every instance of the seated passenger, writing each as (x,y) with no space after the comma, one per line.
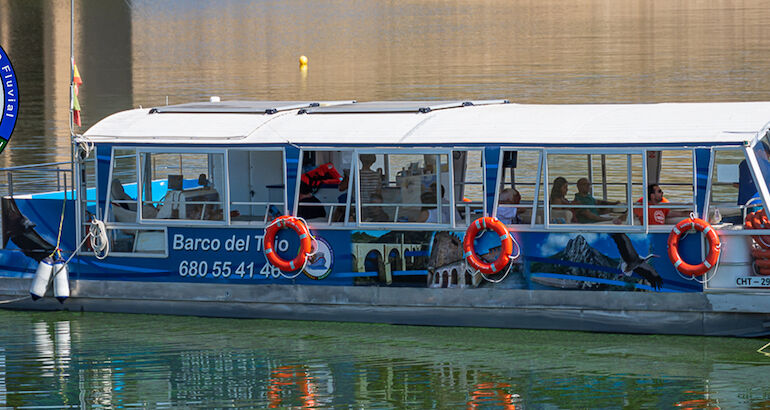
(306,197)
(509,214)
(429,214)
(559,197)
(655,216)
(375,213)
(584,197)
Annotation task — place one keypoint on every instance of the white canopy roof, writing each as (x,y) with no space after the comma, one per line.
(508,124)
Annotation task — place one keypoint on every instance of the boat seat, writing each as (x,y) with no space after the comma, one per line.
(117,193)
(121,214)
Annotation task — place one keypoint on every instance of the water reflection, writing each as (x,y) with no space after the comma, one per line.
(36,36)
(53,350)
(3,388)
(65,359)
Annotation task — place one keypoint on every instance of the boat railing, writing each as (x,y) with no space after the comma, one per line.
(37,178)
(267,216)
(397,208)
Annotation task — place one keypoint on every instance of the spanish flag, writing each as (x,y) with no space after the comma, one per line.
(76,82)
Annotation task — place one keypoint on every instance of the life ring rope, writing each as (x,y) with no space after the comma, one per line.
(306,241)
(472,259)
(509,267)
(686,270)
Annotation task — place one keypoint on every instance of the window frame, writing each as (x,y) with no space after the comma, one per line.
(710,181)
(386,151)
(542,179)
(453,184)
(532,225)
(185,222)
(571,227)
(255,224)
(114,225)
(694,209)
(345,224)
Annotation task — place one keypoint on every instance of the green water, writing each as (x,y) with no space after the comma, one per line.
(67,359)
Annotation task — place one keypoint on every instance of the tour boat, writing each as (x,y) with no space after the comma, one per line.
(635,218)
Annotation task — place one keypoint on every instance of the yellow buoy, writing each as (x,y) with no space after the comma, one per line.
(302,60)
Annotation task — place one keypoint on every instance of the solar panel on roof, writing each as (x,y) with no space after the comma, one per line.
(374,107)
(235,107)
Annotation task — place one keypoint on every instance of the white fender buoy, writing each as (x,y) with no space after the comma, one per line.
(61,283)
(41,279)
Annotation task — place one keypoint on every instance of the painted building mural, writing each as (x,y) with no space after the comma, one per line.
(579,261)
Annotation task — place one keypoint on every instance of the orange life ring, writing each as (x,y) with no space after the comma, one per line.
(763,271)
(762,264)
(760,253)
(673,246)
(506,242)
(758,220)
(305,243)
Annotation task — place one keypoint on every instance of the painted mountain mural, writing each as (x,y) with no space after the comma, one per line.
(578,258)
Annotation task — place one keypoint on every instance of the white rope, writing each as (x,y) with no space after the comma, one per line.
(761,350)
(507,270)
(75,252)
(510,263)
(100,243)
(297,273)
(3,302)
(78,248)
(706,276)
(85,144)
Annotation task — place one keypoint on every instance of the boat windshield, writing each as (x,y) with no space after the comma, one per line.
(762,153)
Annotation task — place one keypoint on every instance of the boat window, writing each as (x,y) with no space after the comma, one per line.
(182,186)
(405,188)
(324,195)
(672,171)
(468,169)
(520,174)
(125,237)
(136,241)
(123,203)
(732,187)
(257,185)
(592,189)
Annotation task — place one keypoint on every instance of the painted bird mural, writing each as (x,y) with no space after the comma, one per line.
(633,263)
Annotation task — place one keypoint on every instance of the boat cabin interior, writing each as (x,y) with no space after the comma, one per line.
(642,187)
(537,188)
